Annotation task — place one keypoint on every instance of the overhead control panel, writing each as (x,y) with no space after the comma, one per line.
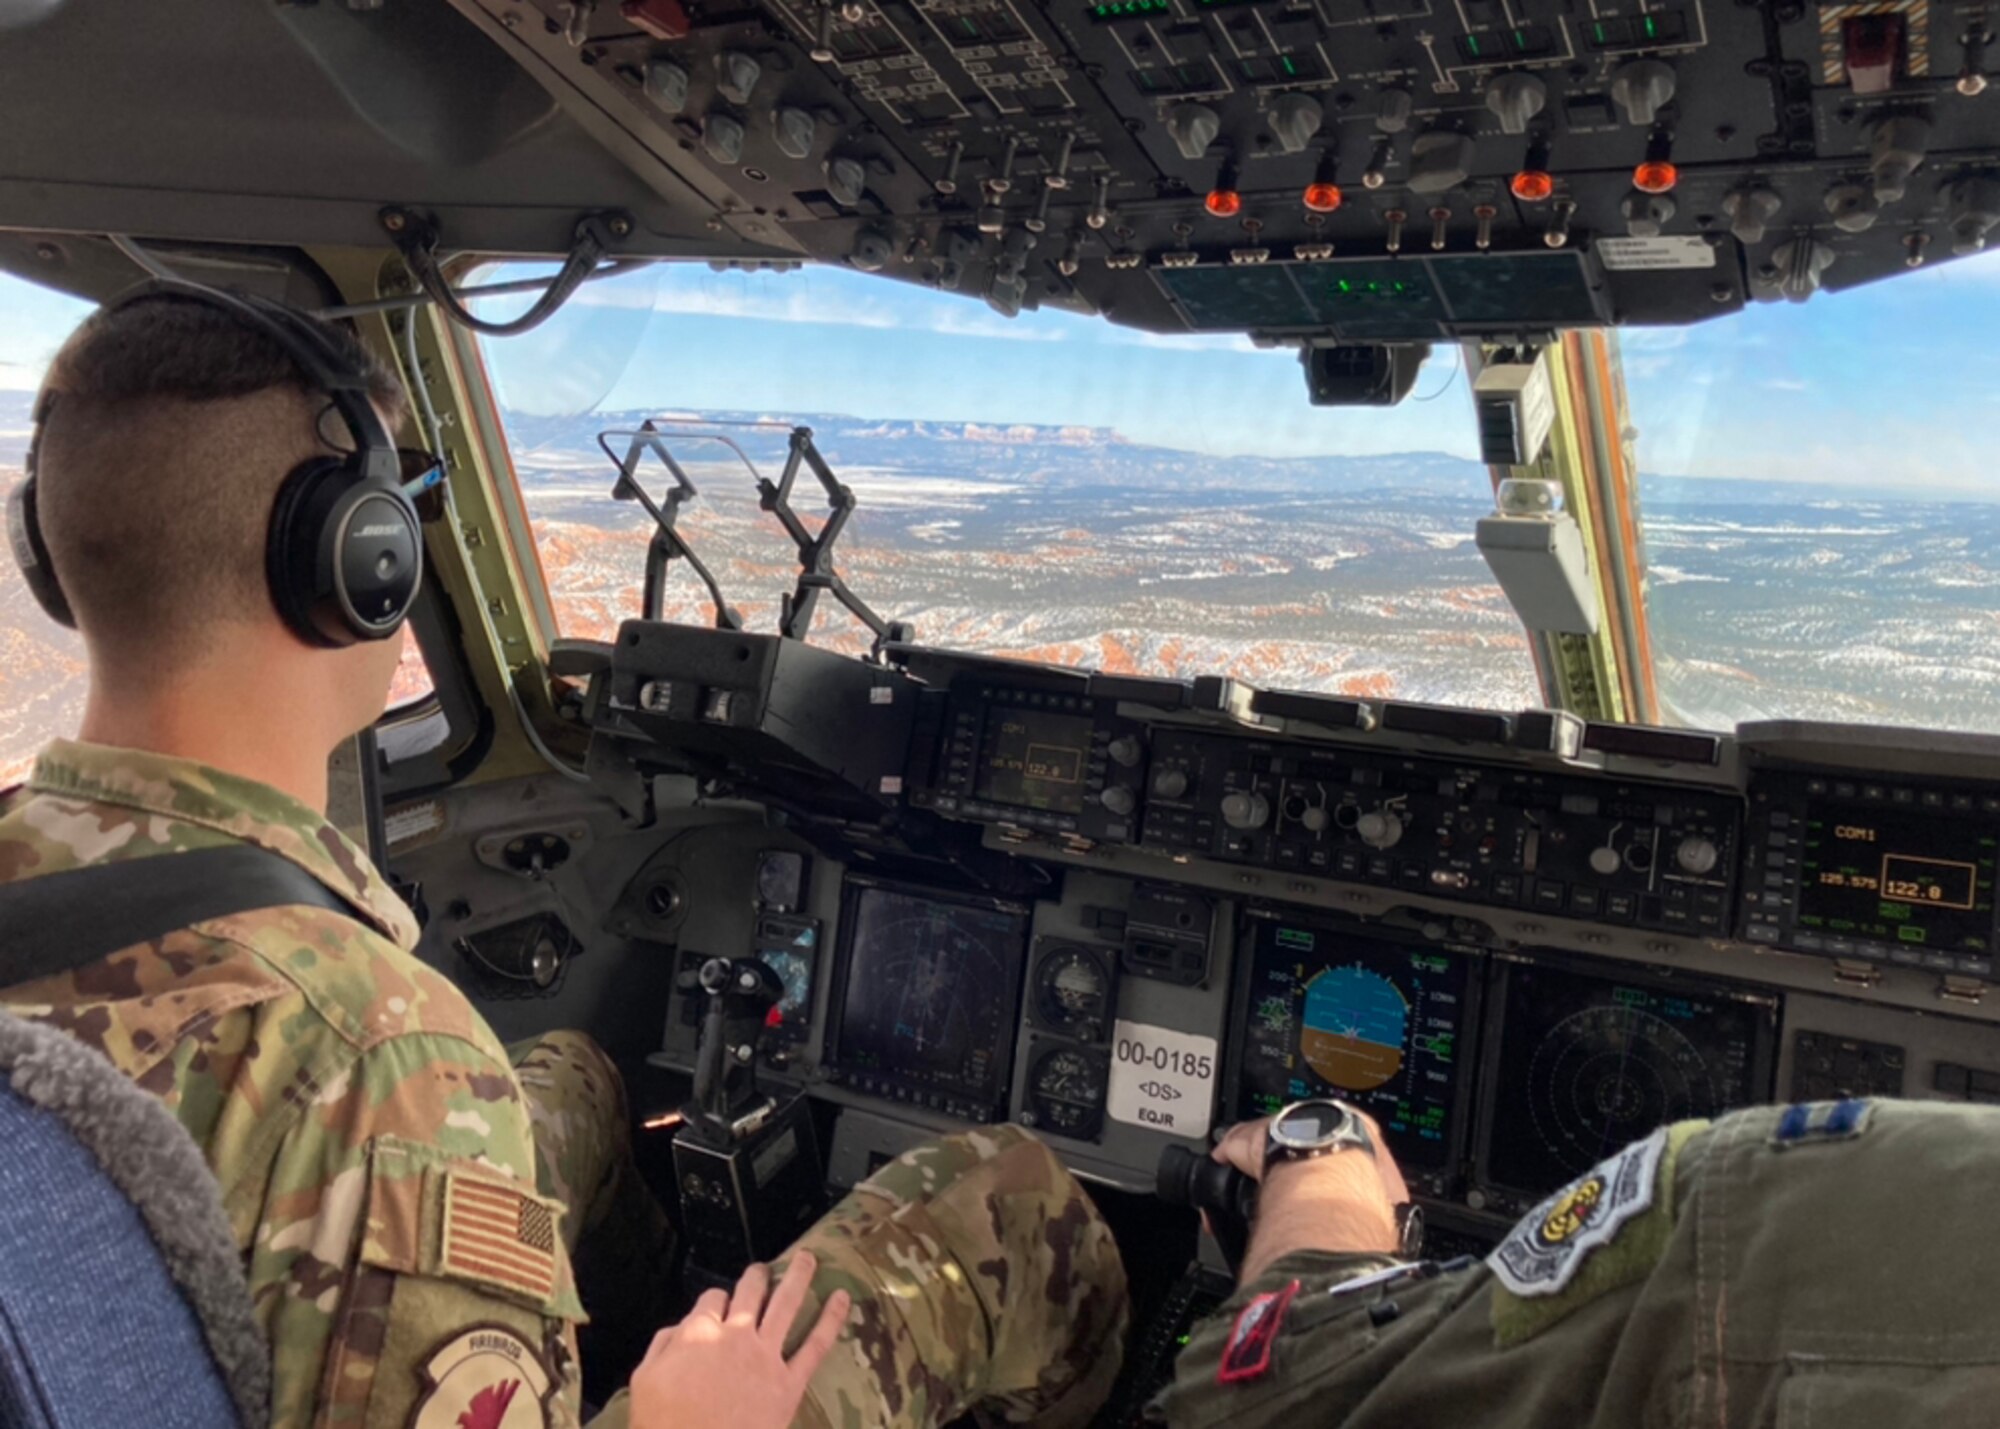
(1395,171)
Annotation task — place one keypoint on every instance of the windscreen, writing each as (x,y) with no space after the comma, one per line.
(1051,487)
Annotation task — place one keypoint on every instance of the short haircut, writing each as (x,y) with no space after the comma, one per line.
(170,427)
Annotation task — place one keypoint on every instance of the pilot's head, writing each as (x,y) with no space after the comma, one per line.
(172,428)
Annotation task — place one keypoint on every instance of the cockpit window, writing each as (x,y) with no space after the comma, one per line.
(1054,487)
(1821,510)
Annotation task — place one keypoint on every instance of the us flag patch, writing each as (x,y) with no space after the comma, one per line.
(500,1235)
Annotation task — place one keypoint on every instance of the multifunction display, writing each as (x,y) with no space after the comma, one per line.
(1585,1065)
(1874,872)
(1381,1024)
(929,993)
(1896,877)
(1031,757)
(1035,760)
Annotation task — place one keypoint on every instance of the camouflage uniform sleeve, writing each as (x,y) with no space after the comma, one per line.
(406,1267)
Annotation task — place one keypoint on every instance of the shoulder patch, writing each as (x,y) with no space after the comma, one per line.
(1543,1253)
(1248,1352)
(496,1233)
(484,1377)
(1606,1229)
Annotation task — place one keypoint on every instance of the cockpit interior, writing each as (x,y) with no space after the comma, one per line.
(1123,899)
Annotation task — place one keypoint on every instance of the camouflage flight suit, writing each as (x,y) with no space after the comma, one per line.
(406,1214)
(983,1281)
(1825,1266)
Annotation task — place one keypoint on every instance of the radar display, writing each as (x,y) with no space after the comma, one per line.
(1587,1065)
(930,991)
(1369,1021)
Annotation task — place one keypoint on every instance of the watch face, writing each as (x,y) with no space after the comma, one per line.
(1311,1124)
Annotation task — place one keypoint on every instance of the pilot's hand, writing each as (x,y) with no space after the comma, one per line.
(1345,1202)
(725,1363)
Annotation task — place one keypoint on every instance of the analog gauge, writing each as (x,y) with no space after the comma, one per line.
(1066,1092)
(1073,991)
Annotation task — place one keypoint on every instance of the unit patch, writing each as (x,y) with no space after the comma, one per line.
(486,1377)
(1543,1253)
(1248,1353)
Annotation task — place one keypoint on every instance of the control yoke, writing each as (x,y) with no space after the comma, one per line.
(1188,1178)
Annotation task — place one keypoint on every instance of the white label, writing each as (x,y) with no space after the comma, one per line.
(412,821)
(1680,251)
(1162,1079)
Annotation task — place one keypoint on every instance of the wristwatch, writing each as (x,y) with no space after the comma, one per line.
(1316,1127)
(1320,1126)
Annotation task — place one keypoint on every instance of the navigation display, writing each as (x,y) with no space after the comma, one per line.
(1897,877)
(1586,1065)
(1035,760)
(930,990)
(1376,1023)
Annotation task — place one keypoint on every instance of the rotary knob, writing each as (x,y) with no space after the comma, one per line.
(1245,811)
(1697,855)
(1125,751)
(1118,799)
(1605,860)
(1440,159)
(1379,829)
(1641,88)
(793,130)
(1315,819)
(1193,128)
(1515,100)
(1170,784)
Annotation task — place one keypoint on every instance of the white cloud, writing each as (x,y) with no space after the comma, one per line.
(799,298)
(19,377)
(794,298)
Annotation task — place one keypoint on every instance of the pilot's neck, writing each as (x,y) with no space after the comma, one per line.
(214,724)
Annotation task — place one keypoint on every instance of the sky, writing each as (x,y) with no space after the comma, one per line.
(1891,386)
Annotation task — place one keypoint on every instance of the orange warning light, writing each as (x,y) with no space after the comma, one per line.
(1655,176)
(1323,197)
(1223,203)
(1533,186)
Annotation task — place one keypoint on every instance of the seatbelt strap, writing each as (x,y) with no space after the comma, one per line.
(63,921)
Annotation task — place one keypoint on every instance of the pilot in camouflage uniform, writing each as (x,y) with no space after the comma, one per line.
(405,1201)
(1824,1266)
(407,1190)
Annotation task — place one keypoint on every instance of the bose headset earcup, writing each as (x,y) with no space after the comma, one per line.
(343,560)
(24,535)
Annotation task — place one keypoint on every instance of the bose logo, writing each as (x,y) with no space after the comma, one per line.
(369,531)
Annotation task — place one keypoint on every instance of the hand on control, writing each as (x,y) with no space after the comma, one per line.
(725,1363)
(1342,1202)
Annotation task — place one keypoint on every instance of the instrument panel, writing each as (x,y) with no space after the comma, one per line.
(1128,912)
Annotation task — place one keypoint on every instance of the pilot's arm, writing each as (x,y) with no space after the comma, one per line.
(405,1267)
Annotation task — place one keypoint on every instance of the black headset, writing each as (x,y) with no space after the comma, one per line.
(344,556)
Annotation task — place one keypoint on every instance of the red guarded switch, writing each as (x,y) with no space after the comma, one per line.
(1874,47)
(662,19)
